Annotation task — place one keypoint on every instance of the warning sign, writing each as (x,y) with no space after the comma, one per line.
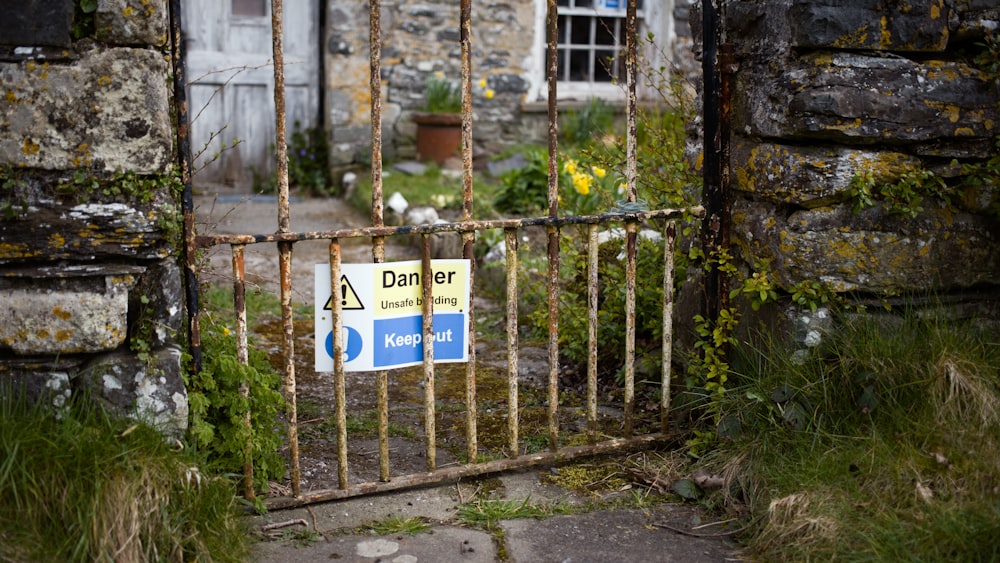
(382,308)
(348,297)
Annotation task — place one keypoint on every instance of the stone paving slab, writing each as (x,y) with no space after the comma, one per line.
(610,535)
(441,543)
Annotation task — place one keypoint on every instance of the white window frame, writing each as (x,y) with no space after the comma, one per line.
(656,17)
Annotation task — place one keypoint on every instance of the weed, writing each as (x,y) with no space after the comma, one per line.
(219,410)
(397,525)
(487,513)
(883,442)
(89,487)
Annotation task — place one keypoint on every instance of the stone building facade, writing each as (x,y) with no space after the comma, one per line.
(90,286)
(420,40)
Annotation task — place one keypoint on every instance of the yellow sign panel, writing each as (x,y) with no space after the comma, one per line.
(348,297)
(398,287)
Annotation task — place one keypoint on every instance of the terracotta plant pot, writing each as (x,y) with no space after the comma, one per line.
(439,135)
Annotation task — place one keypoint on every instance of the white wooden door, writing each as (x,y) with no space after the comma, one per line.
(231,83)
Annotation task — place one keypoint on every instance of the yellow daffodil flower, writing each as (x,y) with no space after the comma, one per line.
(489,93)
(581,182)
(598,171)
(570,166)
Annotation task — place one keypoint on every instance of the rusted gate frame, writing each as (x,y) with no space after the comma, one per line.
(467,227)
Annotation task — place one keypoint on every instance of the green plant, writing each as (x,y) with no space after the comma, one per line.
(486,513)
(219,409)
(84,18)
(901,194)
(397,525)
(590,123)
(86,486)
(308,164)
(525,190)
(441,96)
(883,442)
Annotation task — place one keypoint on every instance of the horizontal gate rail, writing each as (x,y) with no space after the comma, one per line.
(205,241)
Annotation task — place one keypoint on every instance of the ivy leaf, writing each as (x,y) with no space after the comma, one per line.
(88,6)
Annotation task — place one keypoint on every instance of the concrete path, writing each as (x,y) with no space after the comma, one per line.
(628,534)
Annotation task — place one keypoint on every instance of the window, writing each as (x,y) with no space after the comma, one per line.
(249,8)
(591,46)
(591,41)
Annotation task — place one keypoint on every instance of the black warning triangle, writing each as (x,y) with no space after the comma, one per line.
(348,298)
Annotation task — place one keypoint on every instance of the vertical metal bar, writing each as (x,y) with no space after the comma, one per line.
(339,389)
(378,243)
(592,290)
(552,232)
(284,248)
(427,312)
(629,391)
(669,235)
(468,237)
(510,240)
(631,156)
(178,61)
(243,357)
(711,163)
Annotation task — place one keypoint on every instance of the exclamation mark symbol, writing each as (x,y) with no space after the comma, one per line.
(343,294)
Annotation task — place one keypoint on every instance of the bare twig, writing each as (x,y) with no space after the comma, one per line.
(279,525)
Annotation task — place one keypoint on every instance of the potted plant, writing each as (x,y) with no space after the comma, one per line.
(439,126)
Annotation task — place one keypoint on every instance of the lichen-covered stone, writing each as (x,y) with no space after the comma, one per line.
(85,232)
(108,110)
(870,24)
(132,22)
(156,305)
(809,176)
(871,251)
(151,391)
(65,321)
(938,108)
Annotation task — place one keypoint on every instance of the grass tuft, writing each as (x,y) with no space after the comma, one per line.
(88,487)
(894,452)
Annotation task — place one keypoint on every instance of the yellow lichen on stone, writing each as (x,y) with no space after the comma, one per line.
(104,80)
(56,240)
(16,250)
(62,313)
(30,148)
(964,132)
(885,37)
(41,333)
(11,97)
(128,11)
(62,335)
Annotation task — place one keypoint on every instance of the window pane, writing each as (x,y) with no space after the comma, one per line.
(563,23)
(579,65)
(584,3)
(253,8)
(580,31)
(604,66)
(606,31)
(564,3)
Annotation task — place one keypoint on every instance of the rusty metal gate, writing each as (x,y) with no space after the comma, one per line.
(630,216)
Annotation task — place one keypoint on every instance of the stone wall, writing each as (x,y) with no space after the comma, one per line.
(89,280)
(827,93)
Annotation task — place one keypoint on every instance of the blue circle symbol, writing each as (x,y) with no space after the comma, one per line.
(354,344)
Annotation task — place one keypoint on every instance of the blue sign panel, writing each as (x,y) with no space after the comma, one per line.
(400,340)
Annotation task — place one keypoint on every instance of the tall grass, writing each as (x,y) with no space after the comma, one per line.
(87,487)
(883,445)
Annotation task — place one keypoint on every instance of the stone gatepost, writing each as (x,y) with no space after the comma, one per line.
(91,296)
(833,98)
